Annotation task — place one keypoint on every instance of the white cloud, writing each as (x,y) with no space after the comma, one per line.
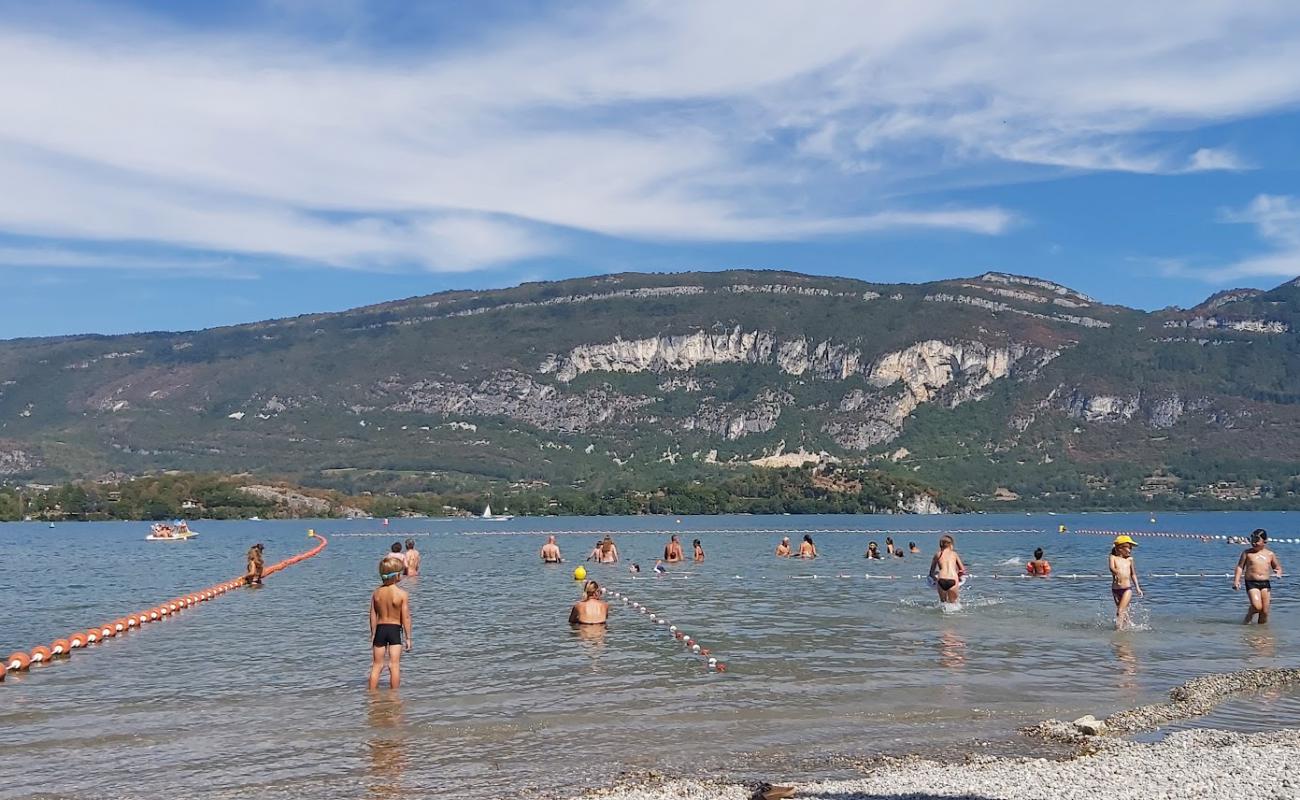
(707,121)
(1276,219)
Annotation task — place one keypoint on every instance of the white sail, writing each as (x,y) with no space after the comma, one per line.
(487,511)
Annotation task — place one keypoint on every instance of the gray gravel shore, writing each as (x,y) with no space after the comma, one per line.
(1191,764)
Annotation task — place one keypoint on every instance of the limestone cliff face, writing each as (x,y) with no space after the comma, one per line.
(1159,412)
(732,422)
(929,371)
(15,460)
(516,396)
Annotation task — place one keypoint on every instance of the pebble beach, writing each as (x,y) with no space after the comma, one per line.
(1191,764)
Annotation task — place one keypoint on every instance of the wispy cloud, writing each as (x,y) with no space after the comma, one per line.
(708,121)
(1276,219)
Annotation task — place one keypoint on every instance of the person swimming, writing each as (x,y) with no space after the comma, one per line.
(912,546)
(673,550)
(590,610)
(551,552)
(605,552)
(412,558)
(872,552)
(660,569)
(806,548)
(699,550)
(1039,565)
(1123,578)
(783,549)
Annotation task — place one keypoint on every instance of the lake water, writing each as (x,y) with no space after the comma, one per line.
(263,690)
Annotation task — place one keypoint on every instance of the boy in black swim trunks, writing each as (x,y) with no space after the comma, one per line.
(390,617)
(1257,565)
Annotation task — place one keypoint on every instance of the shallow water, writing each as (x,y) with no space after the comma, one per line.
(263,689)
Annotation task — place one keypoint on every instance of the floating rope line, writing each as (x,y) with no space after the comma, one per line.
(1218,537)
(381,534)
(62,648)
(773,531)
(1023,576)
(693,645)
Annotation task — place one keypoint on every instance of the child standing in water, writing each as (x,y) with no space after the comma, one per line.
(1257,565)
(946,570)
(1123,578)
(390,617)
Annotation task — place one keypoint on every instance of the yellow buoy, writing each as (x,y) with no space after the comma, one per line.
(580,574)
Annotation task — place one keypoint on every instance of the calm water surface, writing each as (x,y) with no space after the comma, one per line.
(263,690)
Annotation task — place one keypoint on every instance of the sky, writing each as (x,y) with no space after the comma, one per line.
(180,165)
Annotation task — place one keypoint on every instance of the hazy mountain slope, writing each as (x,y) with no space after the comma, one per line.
(984,382)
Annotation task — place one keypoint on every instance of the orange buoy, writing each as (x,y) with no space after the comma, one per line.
(119,626)
(153,614)
(40,654)
(61,647)
(76,640)
(92,636)
(17,661)
(106,632)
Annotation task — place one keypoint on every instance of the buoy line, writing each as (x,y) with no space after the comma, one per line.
(1021,576)
(62,648)
(774,531)
(692,644)
(1214,537)
(383,534)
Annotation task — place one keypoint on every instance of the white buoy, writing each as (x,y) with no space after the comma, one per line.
(672,628)
(695,648)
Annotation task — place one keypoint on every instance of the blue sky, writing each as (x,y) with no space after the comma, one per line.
(167,166)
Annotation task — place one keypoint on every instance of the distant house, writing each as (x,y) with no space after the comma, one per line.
(191,505)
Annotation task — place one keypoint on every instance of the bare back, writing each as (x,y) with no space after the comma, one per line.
(947,564)
(589,611)
(389,605)
(412,562)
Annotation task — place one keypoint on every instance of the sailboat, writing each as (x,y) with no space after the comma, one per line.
(488,516)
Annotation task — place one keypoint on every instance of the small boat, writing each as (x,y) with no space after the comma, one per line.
(488,516)
(177,531)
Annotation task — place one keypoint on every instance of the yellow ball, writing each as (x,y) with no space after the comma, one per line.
(580,574)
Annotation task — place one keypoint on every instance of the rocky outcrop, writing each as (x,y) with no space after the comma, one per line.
(15,460)
(1159,412)
(732,422)
(517,396)
(1037,283)
(299,504)
(664,353)
(929,371)
(1265,326)
(993,305)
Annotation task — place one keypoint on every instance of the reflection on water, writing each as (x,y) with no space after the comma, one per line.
(499,693)
(1261,641)
(1126,655)
(386,746)
(952,649)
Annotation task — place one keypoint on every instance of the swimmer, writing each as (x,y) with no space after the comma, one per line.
(551,552)
(673,550)
(635,568)
(590,610)
(912,546)
(390,617)
(806,548)
(1039,565)
(783,549)
(898,553)
(946,569)
(660,569)
(1123,578)
(412,557)
(889,545)
(254,558)
(395,551)
(699,550)
(872,552)
(595,553)
(608,552)
(1257,565)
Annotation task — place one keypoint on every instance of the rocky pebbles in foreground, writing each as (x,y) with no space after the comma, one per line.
(1189,764)
(1195,698)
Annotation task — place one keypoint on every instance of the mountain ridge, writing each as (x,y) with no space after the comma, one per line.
(996,381)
